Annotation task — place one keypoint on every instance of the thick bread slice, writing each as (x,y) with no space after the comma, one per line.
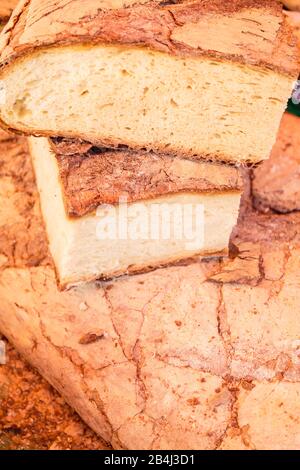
(92,176)
(292,4)
(128,239)
(204,79)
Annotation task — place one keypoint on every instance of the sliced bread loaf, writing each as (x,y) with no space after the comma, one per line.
(193,214)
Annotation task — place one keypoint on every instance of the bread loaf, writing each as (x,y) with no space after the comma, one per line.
(6,8)
(202,79)
(161,209)
(203,356)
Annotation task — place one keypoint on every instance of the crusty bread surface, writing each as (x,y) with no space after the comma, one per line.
(189,79)
(201,356)
(138,236)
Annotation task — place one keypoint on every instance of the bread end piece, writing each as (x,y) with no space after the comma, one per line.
(276,183)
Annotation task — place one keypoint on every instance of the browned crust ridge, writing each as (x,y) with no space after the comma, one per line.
(276,183)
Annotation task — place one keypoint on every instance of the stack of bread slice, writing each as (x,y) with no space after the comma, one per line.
(142,108)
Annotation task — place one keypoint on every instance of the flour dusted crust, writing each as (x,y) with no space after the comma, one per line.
(91,176)
(175,29)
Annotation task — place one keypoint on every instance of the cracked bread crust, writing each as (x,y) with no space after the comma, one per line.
(226,342)
(168,28)
(91,175)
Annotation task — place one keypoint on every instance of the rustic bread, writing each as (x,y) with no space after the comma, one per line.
(276,183)
(292,4)
(203,79)
(157,231)
(168,359)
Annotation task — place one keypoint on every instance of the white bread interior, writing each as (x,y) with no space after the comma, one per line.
(79,255)
(198,106)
